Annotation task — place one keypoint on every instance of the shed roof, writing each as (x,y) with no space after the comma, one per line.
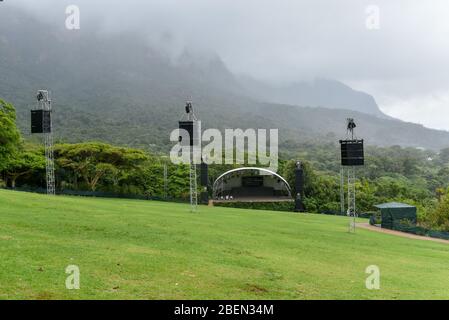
(393,205)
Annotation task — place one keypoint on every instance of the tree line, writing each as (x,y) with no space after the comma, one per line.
(410,175)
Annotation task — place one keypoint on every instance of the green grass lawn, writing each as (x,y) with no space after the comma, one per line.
(128,249)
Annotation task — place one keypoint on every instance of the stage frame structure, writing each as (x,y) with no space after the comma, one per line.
(42,112)
(352,156)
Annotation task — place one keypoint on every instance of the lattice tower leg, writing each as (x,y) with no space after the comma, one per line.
(342,190)
(351,199)
(49,153)
(193,186)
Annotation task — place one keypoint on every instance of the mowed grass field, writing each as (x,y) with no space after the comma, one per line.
(128,249)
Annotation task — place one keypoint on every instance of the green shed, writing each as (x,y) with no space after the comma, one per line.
(394,212)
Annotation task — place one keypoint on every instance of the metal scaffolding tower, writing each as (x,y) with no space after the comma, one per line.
(352,156)
(351,198)
(44,103)
(193,185)
(347,186)
(342,189)
(191,123)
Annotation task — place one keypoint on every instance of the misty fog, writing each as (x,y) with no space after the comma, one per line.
(403,63)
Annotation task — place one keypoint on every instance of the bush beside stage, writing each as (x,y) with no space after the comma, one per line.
(274,206)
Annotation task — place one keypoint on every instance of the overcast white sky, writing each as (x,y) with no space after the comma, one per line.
(404,63)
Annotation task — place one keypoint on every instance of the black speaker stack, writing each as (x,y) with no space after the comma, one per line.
(352,153)
(38,118)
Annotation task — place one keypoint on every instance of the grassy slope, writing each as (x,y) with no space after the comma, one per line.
(148,250)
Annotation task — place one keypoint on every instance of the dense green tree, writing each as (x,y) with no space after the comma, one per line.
(92,161)
(21,164)
(439,217)
(9,134)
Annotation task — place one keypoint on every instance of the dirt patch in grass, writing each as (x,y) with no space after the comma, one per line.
(43,296)
(255,289)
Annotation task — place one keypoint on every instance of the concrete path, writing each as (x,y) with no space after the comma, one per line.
(367,226)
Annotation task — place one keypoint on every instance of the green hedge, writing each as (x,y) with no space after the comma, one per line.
(99,194)
(274,206)
(421,231)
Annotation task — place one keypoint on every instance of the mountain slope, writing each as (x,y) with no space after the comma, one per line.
(318,93)
(118,89)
